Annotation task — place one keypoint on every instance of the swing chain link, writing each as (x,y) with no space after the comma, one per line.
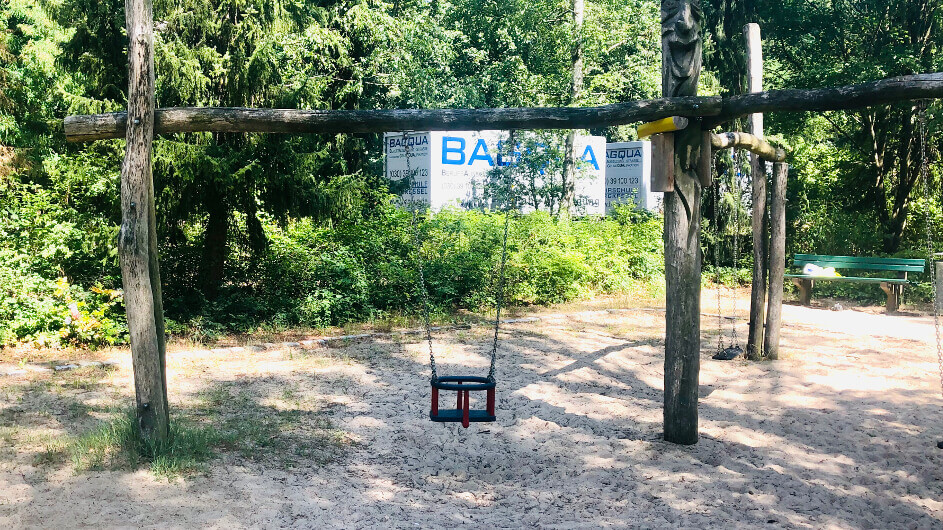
(925,177)
(717,239)
(500,298)
(417,245)
(509,204)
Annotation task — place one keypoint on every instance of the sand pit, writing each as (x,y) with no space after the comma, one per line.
(841,433)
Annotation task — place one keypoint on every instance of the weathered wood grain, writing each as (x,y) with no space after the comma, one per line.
(681,67)
(663,162)
(292,121)
(777,259)
(750,143)
(757,325)
(137,239)
(714,108)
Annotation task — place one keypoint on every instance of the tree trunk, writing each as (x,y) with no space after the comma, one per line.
(214,247)
(908,169)
(777,260)
(681,67)
(576,88)
(137,239)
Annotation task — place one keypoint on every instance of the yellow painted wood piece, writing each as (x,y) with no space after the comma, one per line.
(674,123)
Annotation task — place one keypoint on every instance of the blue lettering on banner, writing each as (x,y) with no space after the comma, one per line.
(411,141)
(512,160)
(592,157)
(626,152)
(481,146)
(446,140)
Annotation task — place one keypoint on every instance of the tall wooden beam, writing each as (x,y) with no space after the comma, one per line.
(681,67)
(137,239)
(716,110)
(754,52)
(777,259)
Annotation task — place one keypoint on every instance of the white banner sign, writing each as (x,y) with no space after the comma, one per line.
(629,176)
(450,168)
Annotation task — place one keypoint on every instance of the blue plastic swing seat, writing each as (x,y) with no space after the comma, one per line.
(455,416)
(463,414)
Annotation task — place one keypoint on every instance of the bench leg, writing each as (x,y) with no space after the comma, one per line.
(893,292)
(805,290)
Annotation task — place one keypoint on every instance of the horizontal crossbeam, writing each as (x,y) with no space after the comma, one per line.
(751,143)
(713,109)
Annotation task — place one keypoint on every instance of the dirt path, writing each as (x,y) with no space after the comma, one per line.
(841,433)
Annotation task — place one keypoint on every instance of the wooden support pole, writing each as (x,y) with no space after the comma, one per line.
(754,350)
(298,121)
(777,259)
(754,52)
(706,172)
(939,283)
(719,110)
(681,67)
(137,239)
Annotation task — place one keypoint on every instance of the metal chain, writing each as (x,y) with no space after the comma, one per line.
(509,204)
(925,177)
(717,238)
(499,301)
(423,292)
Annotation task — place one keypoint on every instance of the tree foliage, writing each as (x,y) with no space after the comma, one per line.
(300,226)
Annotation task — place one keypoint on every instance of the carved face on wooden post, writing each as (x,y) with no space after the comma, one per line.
(681,46)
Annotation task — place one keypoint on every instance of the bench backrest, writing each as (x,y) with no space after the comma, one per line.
(869,264)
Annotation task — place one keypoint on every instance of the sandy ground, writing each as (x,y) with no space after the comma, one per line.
(840,433)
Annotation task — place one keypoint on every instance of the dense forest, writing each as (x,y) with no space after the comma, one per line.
(278,231)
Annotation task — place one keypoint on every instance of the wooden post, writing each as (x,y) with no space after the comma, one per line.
(663,162)
(893,292)
(137,239)
(939,283)
(681,67)
(751,33)
(805,290)
(705,171)
(777,259)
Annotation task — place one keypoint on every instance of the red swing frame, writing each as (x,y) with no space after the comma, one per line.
(463,413)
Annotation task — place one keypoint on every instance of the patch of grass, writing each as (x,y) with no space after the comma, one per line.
(242,418)
(54,451)
(118,445)
(8,436)
(86,379)
(269,434)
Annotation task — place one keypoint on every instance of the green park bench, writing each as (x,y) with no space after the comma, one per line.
(894,287)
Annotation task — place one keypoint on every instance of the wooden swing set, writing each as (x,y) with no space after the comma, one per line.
(681,163)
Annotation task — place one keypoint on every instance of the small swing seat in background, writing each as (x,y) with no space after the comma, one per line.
(462,385)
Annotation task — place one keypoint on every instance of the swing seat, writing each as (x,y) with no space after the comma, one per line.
(462,385)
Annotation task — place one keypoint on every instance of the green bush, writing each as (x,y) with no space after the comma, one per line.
(363,268)
(51,314)
(316,274)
